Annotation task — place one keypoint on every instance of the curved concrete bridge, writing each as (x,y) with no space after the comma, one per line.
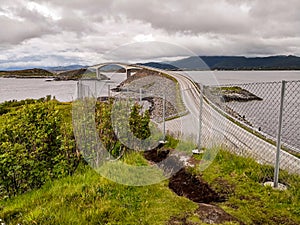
(129,68)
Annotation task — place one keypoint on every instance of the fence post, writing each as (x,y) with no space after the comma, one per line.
(164,117)
(108,91)
(141,97)
(276,169)
(200,120)
(77,85)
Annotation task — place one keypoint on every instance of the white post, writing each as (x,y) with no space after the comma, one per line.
(77,89)
(141,96)
(200,120)
(108,90)
(276,169)
(97,72)
(164,117)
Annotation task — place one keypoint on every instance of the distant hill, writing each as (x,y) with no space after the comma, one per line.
(65,68)
(238,63)
(164,66)
(70,75)
(77,74)
(28,73)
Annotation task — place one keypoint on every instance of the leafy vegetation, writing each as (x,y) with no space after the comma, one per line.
(138,124)
(36,145)
(37,142)
(37,150)
(12,105)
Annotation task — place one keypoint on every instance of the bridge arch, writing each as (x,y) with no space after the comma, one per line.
(128,68)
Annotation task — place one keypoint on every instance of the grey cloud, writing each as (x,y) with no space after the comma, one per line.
(93,30)
(22,25)
(14,32)
(207,16)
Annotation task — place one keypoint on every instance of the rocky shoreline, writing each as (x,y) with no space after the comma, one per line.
(28,77)
(230,93)
(152,87)
(222,95)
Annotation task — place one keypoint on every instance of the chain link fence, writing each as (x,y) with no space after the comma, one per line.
(255,107)
(242,118)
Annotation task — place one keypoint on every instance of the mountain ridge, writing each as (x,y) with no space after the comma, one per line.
(276,62)
(279,62)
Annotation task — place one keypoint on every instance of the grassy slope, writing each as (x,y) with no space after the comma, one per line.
(88,198)
(240,180)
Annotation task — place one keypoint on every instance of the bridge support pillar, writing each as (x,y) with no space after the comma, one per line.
(97,72)
(128,72)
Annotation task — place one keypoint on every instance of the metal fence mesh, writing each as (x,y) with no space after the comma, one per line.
(255,107)
(242,118)
(262,113)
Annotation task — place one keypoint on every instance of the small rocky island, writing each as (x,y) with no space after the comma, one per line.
(236,93)
(229,94)
(62,76)
(78,74)
(28,73)
(225,94)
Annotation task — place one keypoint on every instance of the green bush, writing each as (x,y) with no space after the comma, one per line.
(138,124)
(36,145)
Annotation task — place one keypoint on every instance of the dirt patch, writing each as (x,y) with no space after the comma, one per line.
(156,155)
(206,213)
(183,183)
(168,160)
(212,214)
(193,187)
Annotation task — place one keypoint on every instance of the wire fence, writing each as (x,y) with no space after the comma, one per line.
(255,107)
(242,118)
(258,104)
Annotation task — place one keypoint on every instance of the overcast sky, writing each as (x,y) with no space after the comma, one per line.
(56,32)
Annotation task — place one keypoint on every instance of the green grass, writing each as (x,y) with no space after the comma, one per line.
(234,89)
(88,198)
(240,180)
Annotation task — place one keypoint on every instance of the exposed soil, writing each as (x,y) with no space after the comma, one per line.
(185,184)
(170,160)
(156,155)
(196,189)
(193,187)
